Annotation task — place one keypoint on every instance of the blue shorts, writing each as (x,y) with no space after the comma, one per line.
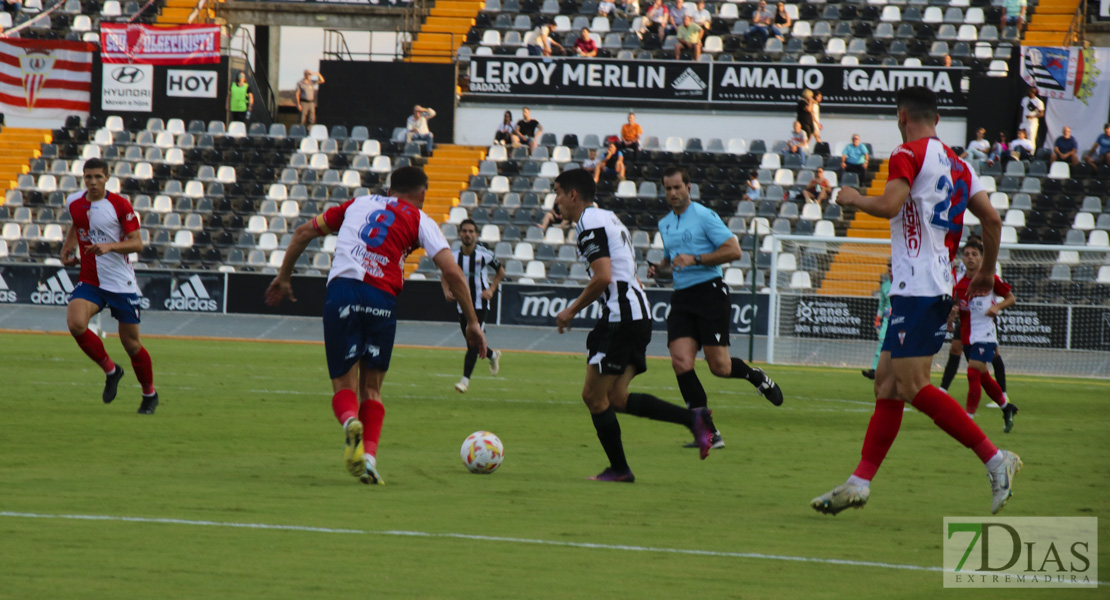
(917,325)
(125,307)
(980,352)
(360,322)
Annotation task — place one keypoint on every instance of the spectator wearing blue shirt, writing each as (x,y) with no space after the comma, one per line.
(696,243)
(1099,154)
(1066,148)
(854,159)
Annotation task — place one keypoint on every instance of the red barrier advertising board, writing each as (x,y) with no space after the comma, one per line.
(146,44)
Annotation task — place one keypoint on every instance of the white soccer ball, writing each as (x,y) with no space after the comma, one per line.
(482,452)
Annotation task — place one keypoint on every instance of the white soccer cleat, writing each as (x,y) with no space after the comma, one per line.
(495,362)
(370,473)
(845,495)
(462,386)
(1002,478)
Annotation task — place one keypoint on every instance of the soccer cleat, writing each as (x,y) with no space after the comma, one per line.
(703,431)
(1008,413)
(869,373)
(111,382)
(717,442)
(148,404)
(845,495)
(370,473)
(494,362)
(769,389)
(461,386)
(1002,478)
(610,474)
(352,453)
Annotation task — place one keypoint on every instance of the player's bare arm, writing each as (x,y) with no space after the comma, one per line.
(725,253)
(1007,302)
(69,248)
(983,281)
(446,290)
(281,288)
(885,206)
(496,281)
(602,270)
(456,283)
(661,269)
(132,242)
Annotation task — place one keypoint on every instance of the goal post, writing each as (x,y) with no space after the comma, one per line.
(824,299)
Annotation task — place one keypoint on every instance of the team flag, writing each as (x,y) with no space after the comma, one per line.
(41,79)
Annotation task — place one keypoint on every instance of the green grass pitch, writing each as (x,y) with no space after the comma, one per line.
(245,435)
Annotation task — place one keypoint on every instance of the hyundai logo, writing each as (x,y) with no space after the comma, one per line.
(128,75)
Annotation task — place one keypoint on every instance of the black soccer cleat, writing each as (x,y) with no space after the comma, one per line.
(1008,413)
(768,388)
(110,385)
(149,404)
(868,373)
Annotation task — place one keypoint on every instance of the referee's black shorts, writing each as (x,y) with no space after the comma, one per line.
(702,312)
(614,345)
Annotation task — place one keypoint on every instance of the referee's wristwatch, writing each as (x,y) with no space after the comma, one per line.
(697,259)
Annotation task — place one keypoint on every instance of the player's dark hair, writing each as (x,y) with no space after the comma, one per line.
(974,243)
(579,180)
(672,170)
(920,103)
(468,222)
(408,180)
(96,163)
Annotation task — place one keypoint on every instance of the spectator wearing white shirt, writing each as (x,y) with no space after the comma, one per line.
(702,17)
(980,147)
(417,126)
(1032,109)
(1023,146)
(798,142)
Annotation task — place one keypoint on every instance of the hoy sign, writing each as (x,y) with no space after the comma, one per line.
(191,84)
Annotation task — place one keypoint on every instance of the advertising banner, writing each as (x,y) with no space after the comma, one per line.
(146,44)
(1036,325)
(159,290)
(43,80)
(724,84)
(835,317)
(537,305)
(192,84)
(127,88)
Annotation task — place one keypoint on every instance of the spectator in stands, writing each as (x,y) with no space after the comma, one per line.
(539,42)
(804,112)
(1066,148)
(681,9)
(608,6)
(307,91)
(702,17)
(763,21)
(1032,109)
(752,190)
(689,38)
(591,163)
(630,8)
(659,19)
(1013,13)
(612,165)
(818,188)
(1000,151)
(240,99)
(585,45)
(946,61)
(815,108)
(417,126)
(1022,147)
(13,6)
(797,143)
(854,159)
(504,134)
(978,148)
(552,217)
(528,130)
(631,132)
(1099,154)
(782,22)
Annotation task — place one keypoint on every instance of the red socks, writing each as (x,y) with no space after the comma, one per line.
(881,431)
(994,391)
(94,348)
(345,405)
(143,371)
(372,414)
(974,390)
(949,416)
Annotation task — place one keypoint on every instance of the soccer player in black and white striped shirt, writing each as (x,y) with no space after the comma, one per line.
(476,261)
(617,346)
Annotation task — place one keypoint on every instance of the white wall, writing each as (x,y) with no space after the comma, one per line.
(476,123)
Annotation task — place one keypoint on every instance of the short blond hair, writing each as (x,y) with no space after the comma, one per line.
(807,94)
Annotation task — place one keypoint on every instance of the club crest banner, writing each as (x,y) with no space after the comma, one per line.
(146,44)
(45,80)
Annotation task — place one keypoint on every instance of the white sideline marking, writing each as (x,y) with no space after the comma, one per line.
(488,538)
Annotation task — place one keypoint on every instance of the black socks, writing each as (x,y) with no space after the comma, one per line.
(609,434)
(650,407)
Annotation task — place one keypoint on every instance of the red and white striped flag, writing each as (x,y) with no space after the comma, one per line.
(44,80)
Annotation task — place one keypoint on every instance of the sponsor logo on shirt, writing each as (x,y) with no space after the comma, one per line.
(911,228)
